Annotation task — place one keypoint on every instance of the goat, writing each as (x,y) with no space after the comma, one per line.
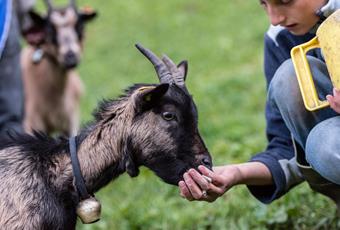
(152,125)
(52,87)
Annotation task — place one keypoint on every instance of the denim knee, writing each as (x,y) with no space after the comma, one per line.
(323,149)
(284,88)
(284,94)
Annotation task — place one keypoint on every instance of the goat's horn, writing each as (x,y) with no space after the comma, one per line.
(48,4)
(161,69)
(73,3)
(177,75)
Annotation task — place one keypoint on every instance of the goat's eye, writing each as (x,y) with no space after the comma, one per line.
(169,116)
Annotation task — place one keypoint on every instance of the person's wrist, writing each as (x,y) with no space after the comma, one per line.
(234,172)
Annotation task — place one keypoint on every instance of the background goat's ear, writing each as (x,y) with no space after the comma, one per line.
(183,68)
(86,14)
(34,34)
(149,97)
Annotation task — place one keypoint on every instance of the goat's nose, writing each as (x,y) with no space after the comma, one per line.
(70,59)
(206,161)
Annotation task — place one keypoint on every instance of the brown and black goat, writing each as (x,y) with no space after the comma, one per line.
(52,86)
(152,125)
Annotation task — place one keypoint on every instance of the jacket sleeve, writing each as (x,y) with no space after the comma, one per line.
(330,7)
(279,154)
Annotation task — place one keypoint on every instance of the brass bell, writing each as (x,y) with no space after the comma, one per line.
(89,210)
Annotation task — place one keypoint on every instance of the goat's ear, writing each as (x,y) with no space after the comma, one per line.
(183,68)
(36,18)
(35,33)
(87,14)
(149,96)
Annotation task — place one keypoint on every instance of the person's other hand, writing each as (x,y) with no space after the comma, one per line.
(334,100)
(196,187)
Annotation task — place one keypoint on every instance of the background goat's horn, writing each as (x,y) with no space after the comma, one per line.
(48,4)
(162,71)
(73,3)
(177,75)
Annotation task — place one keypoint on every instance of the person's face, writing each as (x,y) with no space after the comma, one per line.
(297,16)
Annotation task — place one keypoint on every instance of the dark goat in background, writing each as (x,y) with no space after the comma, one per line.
(152,125)
(52,87)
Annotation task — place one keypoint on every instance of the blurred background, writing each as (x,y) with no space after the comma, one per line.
(223,43)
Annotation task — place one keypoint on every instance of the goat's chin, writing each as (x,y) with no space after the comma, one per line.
(70,66)
(172,177)
(168,168)
(172,181)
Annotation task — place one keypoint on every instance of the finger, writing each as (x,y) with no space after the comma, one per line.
(205,171)
(208,179)
(212,194)
(335,105)
(184,191)
(217,186)
(330,99)
(336,102)
(336,95)
(215,190)
(199,179)
(215,178)
(194,189)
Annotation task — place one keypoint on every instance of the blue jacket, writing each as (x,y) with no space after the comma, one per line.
(5,19)
(279,154)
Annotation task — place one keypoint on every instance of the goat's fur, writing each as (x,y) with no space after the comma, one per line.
(37,188)
(52,86)
(151,125)
(52,96)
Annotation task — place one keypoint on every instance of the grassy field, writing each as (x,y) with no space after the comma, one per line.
(223,42)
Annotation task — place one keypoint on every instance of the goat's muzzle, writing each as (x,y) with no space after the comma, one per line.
(206,161)
(70,60)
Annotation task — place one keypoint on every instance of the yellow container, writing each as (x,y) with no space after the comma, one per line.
(328,39)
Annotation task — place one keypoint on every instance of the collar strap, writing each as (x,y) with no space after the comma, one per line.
(39,53)
(79,180)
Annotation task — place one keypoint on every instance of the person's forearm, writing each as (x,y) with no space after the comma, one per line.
(253,173)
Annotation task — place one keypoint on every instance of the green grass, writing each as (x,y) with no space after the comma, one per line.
(223,42)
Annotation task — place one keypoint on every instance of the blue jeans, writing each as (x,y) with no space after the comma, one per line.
(318,132)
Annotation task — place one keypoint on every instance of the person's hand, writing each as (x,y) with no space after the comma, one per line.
(334,100)
(196,187)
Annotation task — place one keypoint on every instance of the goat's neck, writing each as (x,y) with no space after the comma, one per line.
(101,153)
(54,72)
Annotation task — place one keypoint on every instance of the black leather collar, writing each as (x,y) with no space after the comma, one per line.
(79,180)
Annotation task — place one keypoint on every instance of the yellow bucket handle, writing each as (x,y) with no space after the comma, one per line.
(304,75)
